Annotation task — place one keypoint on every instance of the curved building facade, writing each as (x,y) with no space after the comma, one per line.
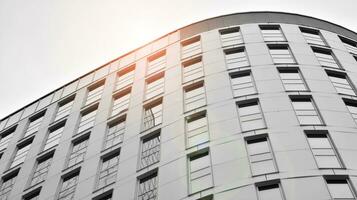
(247,106)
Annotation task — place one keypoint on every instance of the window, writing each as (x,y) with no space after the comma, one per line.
(323,150)
(41,170)
(272,33)
(108,170)
(54,136)
(95,92)
(125,77)
(236,58)
(121,102)
(200,172)
(148,186)
(150,150)
(270,191)
(5,138)
(196,129)
(78,152)
(350,45)
(292,79)
(64,108)
(33,195)
(340,188)
(326,57)
(115,133)
(154,86)
(192,69)
(191,47)
(21,153)
(106,196)
(352,108)
(231,36)
(6,186)
(68,187)
(260,155)
(242,83)
(34,124)
(250,115)
(87,119)
(312,36)
(152,114)
(195,96)
(342,83)
(156,62)
(306,111)
(281,54)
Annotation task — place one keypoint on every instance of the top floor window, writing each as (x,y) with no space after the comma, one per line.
(156,62)
(125,77)
(5,138)
(236,58)
(350,45)
(272,33)
(191,47)
(231,36)
(34,124)
(95,92)
(312,36)
(64,108)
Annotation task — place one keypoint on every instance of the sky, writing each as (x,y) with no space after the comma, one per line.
(46,44)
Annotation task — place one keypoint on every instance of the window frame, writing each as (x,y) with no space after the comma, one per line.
(313,32)
(281,47)
(154,57)
(341,75)
(192,87)
(119,95)
(189,63)
(242,73)
(346,178)
(98,84)
(66,177)
(39,160)
(84,112)
(187,42)
(230,30)
(270,183)
(143,139)
(235,50)
(51,129)
(148,175)
(122,72)
(22,144)
(7,133)
(75,142)
(272,27)
(152,79)
(115,154)
(194,117)
(303,98)
(148,106)
(326,51)
(64,102)
(287,69)
(332,144)
(246,103)
(114,122)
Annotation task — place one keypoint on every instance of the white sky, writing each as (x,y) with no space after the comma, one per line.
(45,44)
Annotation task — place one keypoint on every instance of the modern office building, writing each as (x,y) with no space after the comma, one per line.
(247,106)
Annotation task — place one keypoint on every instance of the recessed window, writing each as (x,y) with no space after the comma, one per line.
(312,36)
(150,150)
(108,169)
(250,115)
(200,172)
(272,33)
(231,36)
(21,153)
(54,136)
(121,102)
(281,54)
(33,195)
(95,92)
(79,149)
(242,83)
(87,120)
(326,57)
(323,149)
(5,138)
(340,188)
(196,129)
(292,79)
(105,196)
(34,124)
(68,187)
(156,62)
(154,86)
(306,111)
(152,114)
(352,108)
(191,47)
(125,77)
(195,96)
(192,69)
(148,186)
(64,108)
(6,186)
(236,58)
(341,83)
(115,133)
(350,45)
(41,170)
(260,156)
(271,191)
